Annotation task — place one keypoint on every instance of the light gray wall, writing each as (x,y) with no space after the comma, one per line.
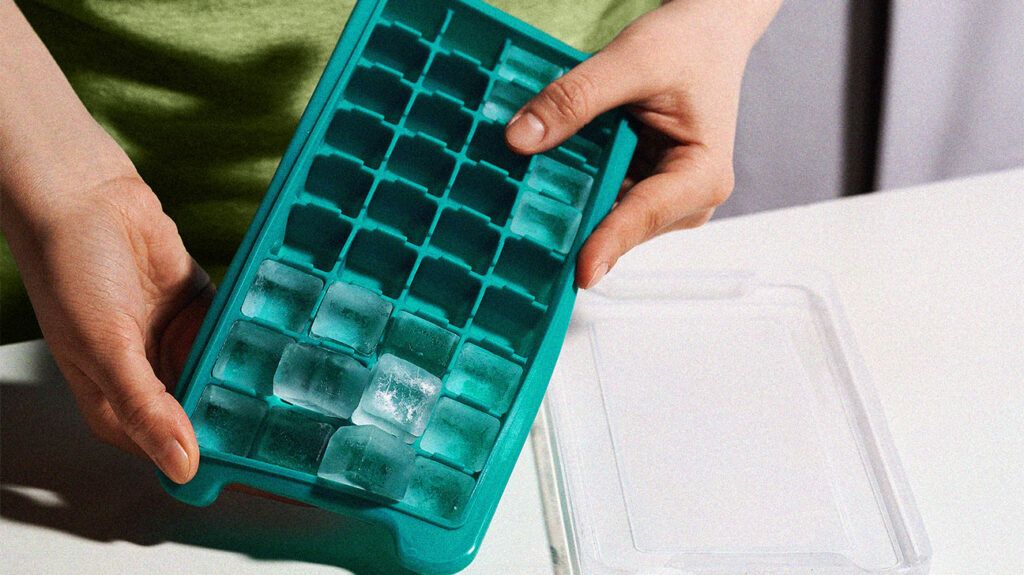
(954,91)
(789,140)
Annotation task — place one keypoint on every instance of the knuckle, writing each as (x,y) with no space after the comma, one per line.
(722,186)
(569,96)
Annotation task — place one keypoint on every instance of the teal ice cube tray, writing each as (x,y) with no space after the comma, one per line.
(399,225)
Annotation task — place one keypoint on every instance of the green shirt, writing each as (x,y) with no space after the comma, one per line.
(204,95)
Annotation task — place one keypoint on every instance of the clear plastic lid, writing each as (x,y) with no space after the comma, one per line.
(721,424)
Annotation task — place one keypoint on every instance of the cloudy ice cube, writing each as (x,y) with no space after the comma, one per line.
(399,398)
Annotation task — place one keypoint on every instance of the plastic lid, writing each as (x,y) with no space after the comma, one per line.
(725,424)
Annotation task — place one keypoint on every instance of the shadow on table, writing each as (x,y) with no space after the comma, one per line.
(53,474)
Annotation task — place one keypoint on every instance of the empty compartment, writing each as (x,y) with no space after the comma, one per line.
(460,435)
(379,261)
(504,101)
(475,35)
(282,295)
(402,208)
(438,490)
(546,221)
(290,439)
(528,266)
(488,145)
(484,379)
(398,50)
(314,236)
(560,181)
(249,357)
(584,148)
(599,130)
(457,77)
(508,319)
(378,90)
(467,238)
(444,290)
(359,134)
(485,190)
(425,17)
(441,118)
(421,161)
(527,68)
(227,421)
(339,180)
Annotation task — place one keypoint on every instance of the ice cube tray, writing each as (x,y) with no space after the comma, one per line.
(399,223)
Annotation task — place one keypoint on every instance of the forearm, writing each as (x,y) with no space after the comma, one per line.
(50,146)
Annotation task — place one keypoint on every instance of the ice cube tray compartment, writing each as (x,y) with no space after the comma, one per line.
(400,226)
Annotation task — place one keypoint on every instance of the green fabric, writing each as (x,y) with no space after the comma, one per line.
(204,96)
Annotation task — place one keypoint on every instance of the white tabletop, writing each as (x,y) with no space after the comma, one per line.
(931,281)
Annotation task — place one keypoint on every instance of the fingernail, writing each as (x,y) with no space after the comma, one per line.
(526,131)
(599,273)
(172,459)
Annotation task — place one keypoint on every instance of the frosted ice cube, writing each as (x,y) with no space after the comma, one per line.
(460,434)
(528,68)
(438,490)
(419,341)
(484,378)
(550,223)
(559,181)
(282,295)
(504,101)
(399,398)
(291,440)
(320,380)
(352,315)
(249,357)
(227,421)
(369,458)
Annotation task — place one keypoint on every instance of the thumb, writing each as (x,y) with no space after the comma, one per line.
(150,416)
(597,85)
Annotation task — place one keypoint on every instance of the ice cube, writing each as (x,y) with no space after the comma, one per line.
(551,223)
(227,421)
(416,340)
(249,357)
(460,434)
(282,295)
(291,440)
(438,490)
(352,315)
(321,380)
(504,101)
(369,458)
(559,181)
(485,379)
(399,398)
(528,68)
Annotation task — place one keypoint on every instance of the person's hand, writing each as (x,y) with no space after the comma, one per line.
(118,298)
(119,301)
(678,69)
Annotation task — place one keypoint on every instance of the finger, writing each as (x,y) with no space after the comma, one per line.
(150,416)
(98,415)
(176,341)
(650,206)
(689,222)
(595,86)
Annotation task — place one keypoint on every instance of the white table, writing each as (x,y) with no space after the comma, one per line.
(931,279)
